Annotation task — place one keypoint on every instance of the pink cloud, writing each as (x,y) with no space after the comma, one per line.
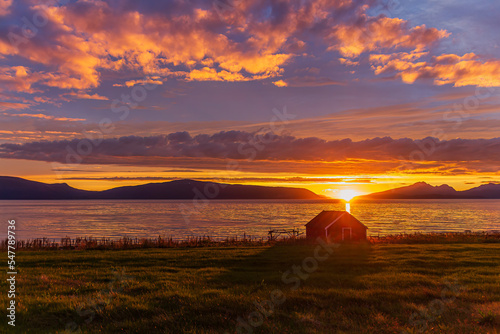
(5,7)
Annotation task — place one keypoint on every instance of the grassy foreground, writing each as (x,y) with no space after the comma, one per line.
(378,288)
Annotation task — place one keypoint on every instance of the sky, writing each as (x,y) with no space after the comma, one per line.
(330,95)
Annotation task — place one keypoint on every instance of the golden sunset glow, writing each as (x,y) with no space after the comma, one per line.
(348,194)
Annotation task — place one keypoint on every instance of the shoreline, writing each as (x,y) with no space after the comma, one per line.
(93,243)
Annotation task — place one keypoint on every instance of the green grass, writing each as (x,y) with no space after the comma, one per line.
(452,288)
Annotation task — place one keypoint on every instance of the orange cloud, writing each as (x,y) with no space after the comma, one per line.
(375,33)
(84,41)
(211,74)
(280,83)
(87,38)
(11,105)
(19,79)
(43,116)
(148,43)
(150,81)
(445,69)
(348,62)
(85,96)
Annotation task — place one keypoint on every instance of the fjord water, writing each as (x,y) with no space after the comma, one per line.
(228,218)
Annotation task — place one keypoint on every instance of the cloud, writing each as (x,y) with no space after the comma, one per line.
(124,178)
(376,33)
(280,83)
(19,79)
(149,81)
(5,7)
(12,105)
(274,180)
(428,153)
(86,42)
(83,39)
(445,69)
(45,117)
(211,74)
(85,96)
(348,62)
(440,117)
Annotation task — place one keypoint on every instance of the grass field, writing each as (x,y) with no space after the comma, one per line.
(433,288)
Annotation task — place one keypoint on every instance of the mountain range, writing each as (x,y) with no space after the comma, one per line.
(422,190)
(18,188)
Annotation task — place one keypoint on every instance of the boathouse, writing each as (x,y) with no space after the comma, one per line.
(336,226)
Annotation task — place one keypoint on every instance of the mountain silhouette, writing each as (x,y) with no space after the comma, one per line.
(18,188)
(422,190)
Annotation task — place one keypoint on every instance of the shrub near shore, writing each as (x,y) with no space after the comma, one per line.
(206,241)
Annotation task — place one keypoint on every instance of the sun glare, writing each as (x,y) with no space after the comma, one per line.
(347,194)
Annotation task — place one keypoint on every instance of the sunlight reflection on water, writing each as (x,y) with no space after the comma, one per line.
(140,218)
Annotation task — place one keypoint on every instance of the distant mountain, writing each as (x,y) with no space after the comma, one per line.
(18,188)
(490,190)
(422,190)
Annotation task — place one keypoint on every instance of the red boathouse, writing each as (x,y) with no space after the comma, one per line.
(336,226)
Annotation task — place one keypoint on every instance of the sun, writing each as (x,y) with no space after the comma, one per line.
(347,194)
